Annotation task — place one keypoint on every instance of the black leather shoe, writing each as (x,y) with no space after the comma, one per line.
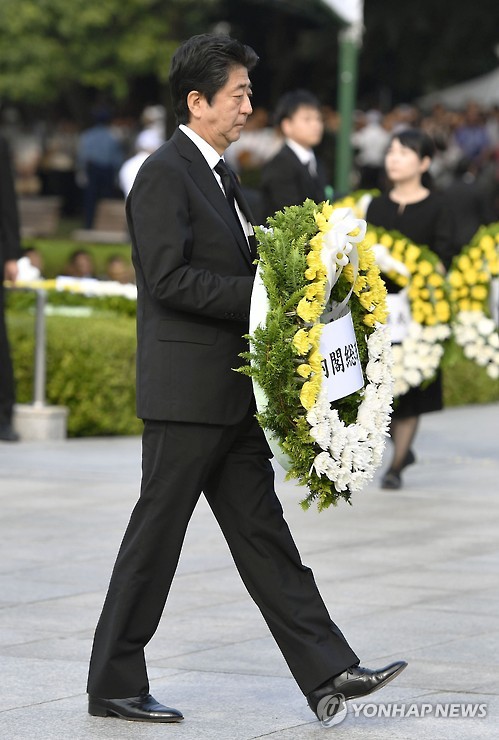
(409,459)
(354,683)
(142,708)
(391,480)
(7,434)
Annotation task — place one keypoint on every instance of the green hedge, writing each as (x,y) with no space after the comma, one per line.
(90,369)
(465,382)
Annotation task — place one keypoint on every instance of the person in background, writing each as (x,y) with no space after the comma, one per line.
(193,250)
(413,210)
(80,265)
(295,173)
(119,270)
(10,252)
(469,203)
(99,158)
(146,143)
(30,265)
(370,142)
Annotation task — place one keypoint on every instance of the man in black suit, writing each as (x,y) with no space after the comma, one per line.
(193,252)
(10,252)
(295,174)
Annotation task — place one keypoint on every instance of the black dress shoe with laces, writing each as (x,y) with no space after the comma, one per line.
(354,683)
(143,708)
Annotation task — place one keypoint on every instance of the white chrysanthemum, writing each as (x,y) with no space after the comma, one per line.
(322,433)
(478,336)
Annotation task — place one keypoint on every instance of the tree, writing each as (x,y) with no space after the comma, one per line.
(50,48)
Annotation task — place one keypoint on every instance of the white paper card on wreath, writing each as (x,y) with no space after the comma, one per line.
(399,315)
(341,364)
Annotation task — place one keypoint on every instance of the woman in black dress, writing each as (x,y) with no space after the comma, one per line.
(421,215)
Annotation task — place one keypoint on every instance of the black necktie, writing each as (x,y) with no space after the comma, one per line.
(229,186)
(232,193)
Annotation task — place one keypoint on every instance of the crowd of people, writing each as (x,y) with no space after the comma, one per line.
(81,166)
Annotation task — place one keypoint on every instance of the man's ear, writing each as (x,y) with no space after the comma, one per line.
(286,127)
(194,102)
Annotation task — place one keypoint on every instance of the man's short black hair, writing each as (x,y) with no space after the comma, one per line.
(203,63)
(288,104)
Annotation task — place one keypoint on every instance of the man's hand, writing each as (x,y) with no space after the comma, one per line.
(11,270)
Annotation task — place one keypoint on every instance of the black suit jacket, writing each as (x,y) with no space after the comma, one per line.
(195,275)
(288,182)
(10,248)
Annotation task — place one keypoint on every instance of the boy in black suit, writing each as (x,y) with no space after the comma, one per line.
(295,174)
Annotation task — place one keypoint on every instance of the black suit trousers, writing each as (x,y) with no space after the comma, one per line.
(231,465)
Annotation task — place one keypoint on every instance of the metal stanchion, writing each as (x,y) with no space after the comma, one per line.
(40,350)
(37,420)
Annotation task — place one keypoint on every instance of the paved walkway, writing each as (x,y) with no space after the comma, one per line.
(411,574)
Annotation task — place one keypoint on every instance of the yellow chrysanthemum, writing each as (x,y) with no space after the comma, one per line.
(436,280)
(418,316)
(360,284)
(327,210)
(304,370)
(418,281)
(315,290)
(464,263)
(456,279)
(315,361)
(425,268)
(314,334)
(309,310)
(386,240)
(366,300)
(314,260)
(307,396)
(470,277)
(442,311)
(316,242)
(370,239)
(479,292)
(487,242)
(380,314)
(412,252)
(301,341)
